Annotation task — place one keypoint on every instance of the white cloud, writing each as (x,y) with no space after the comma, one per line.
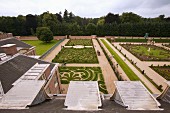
(85,8)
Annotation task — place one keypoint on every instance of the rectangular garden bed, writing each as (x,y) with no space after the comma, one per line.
(85,42)
(148,52)
(72,55)
(68,74)
(164,71)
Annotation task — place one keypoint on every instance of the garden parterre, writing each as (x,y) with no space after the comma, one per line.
(85,42)
(71,55)
(68,74)
(164,71)
(148,52)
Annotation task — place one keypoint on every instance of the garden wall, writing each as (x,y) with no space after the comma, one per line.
(130,37)
(80,37)
(35,38)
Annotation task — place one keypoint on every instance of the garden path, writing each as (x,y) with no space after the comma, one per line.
(122,73)
(160,45)
(156,63)
(142,78)
(107,71)
(159,80)
(53,53)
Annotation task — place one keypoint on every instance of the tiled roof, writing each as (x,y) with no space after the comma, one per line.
(13,41)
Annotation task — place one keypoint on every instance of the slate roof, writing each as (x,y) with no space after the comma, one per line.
(13,41)
(56,105)
(15,67)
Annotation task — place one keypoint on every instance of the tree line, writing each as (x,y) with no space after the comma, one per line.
(127,24)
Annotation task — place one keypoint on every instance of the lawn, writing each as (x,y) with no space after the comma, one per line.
(41,47)
(85,42)
(68,74)
(143,53)
(131,75)
(164,71)
(72,55)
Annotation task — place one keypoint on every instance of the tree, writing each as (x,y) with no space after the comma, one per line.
(130,17)
(59,17)
(101,22)
(65,16)
(50,20)
(112,18)
(31,22)
(91,29)
(44,34)
(162,17)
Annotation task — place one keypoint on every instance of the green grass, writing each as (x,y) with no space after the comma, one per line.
(131,75)
(41,47)
(72,55)
(85,42)
(141,52)
(68,74)
(144,75)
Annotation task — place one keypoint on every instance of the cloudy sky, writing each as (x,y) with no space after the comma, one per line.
(86,8)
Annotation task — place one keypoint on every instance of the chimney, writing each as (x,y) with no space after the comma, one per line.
(9,35)
(9,49)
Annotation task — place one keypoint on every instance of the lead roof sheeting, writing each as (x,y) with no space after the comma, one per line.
(83,95)
(168,82)
(22,94)
(136,96)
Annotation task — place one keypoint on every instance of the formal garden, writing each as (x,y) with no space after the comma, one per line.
(41,47)
(148,52)
(164,71)
(85,42)
(68,74)
(131,75)
(72,55)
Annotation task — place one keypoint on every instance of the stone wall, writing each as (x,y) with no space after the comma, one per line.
(80,37)
(35,38)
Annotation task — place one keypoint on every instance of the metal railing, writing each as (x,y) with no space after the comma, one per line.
(51,49)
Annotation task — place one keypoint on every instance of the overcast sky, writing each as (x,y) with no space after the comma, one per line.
(86,8)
